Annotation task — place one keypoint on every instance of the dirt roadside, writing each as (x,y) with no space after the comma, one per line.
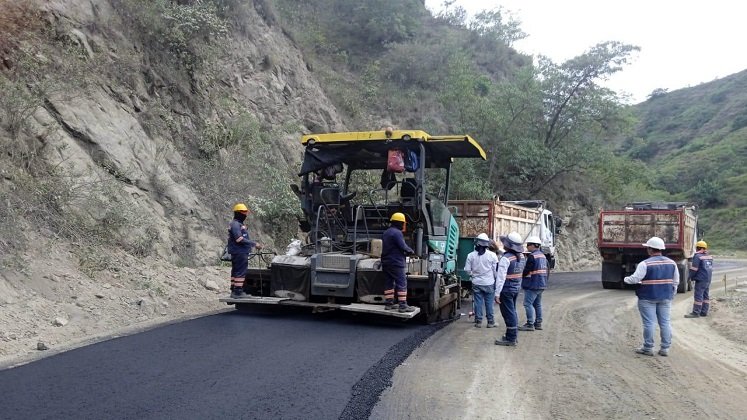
(582,364)
(50,302)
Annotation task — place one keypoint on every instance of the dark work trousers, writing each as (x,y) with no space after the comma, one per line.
(508,311)
(239,264)
(395,280)
(702,302)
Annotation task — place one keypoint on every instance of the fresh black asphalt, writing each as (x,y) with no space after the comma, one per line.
(268,365)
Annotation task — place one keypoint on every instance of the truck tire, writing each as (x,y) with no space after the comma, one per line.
(612,275)
(683,286)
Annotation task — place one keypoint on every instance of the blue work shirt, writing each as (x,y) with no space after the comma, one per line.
(394,249)
(535,271)
(702,267)
(237,230)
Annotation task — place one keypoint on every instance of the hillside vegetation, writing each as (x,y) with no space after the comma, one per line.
(695,141)
(193,87)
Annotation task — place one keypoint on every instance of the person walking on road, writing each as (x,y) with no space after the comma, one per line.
(534,282)
(658,278)
(507,285)
(481,266)
(700,272)
(239,246)
(393,258)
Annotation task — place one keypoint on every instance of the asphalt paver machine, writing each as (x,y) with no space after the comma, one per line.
(351,184)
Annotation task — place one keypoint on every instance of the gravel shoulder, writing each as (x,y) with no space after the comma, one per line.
(582,364)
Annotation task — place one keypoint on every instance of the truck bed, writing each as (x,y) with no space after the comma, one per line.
(632,228)
(493,218)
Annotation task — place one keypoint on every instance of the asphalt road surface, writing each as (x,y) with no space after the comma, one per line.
(296,365)
(290,365)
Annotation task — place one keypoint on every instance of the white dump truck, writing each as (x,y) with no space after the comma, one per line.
(495,218)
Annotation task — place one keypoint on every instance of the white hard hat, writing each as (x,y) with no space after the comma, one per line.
(656,243)
(512,241)
(514,237)
(534,239)
(482,239)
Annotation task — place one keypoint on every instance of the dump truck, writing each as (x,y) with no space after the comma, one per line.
(623,233)
(495,218)
(349,188)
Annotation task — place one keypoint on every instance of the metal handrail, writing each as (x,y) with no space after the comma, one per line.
(355,228)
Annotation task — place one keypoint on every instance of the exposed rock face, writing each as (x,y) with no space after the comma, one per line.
(101,135)
(577,244)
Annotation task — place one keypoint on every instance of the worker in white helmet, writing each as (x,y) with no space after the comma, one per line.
(534,282)
(658,278)
(508,282)
(480,265)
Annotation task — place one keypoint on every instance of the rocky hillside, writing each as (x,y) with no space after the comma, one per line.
(126,135)
(141,119)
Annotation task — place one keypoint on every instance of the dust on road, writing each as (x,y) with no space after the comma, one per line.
(581,365)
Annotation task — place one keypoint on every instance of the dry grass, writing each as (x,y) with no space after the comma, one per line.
(19,20)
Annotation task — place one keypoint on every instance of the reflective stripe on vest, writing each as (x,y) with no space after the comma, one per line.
(537,278)
(704,269)
(658,282)
(513,274)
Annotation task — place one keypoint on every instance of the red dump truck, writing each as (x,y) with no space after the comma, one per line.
(622,234)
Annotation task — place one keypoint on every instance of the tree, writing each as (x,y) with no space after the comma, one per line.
(544,122)
(455,16)
(657,93)
(497,25)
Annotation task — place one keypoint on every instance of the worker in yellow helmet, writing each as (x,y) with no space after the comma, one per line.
(701,270)
(393,253)
(239,246)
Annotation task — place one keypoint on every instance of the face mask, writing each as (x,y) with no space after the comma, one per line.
(480,249)
(239,216)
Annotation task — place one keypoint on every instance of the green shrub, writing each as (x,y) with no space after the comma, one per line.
(182,30)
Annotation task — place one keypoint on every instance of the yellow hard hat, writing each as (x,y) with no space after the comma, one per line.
(701,244)
(398,217)
(241,207)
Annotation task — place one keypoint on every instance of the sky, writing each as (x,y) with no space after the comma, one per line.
(683,43)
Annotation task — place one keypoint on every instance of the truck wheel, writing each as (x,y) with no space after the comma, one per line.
(683,286)
(611,285)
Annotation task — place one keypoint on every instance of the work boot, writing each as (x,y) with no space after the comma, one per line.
(478,324)
(238,293)
(692,315)
(526,327)
(503,341)
(664,352)
(491,325)
(645,351)
(406,308)
(390,305)
(537,325)
(703,315)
